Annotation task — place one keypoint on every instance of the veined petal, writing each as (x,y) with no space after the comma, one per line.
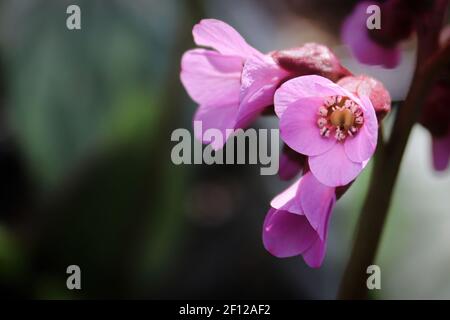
(285,200)
(305,87)
(362,146)
(316,253)
(260,79)
(299,129)
(317,200)
(222,37)
(333,168)
(221,117)
(211,78)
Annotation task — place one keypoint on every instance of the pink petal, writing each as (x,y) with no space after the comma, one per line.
(305,87)
(362,146)
(317,201)
(333,168)
(222,37)
(355,34)
(285,200)
(221,117)
(441,152)
(316,253)
(260,79)
(211,78)
(286,234)
(299,130)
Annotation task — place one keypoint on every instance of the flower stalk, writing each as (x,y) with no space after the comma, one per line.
(386,167)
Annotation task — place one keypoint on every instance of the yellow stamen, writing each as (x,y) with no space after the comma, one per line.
(342,118)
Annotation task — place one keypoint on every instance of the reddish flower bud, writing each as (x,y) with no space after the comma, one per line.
(366,86)
(291,163)
(436,112)
(436,118)
(311,58)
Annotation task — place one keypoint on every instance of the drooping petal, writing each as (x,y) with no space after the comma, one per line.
(260,79)
(299,129)
(211,78)
(221,117)
(355,34)
(285,200)
(333,168)
(441,152)
(222,37)
(305,87)
(316,253)
(362,146)
(286,234)
(317,200)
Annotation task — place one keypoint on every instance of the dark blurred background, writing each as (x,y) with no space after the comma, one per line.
(86,176)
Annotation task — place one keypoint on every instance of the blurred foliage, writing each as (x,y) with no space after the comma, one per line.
(69,88)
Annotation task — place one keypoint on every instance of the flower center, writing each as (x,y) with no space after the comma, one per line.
(339,117)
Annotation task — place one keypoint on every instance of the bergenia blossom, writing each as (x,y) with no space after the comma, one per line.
(235,82)
(218,80)
(297,223)
(335,129)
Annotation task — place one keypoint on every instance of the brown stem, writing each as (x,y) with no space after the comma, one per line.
(386,167)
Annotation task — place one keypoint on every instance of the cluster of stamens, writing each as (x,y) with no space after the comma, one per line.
(340,117)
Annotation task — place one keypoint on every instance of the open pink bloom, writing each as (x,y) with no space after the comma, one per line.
(335,129)
(297,223)
(356,35)
(233,83)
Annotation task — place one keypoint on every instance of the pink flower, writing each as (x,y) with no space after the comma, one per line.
(233,83)
(297,223)
(366,49)
(335,129)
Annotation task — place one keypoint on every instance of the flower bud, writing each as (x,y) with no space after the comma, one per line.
(311,58)
(436,112)
(366,86)
(398,17)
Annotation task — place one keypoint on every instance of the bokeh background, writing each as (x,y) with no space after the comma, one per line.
(86,176)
